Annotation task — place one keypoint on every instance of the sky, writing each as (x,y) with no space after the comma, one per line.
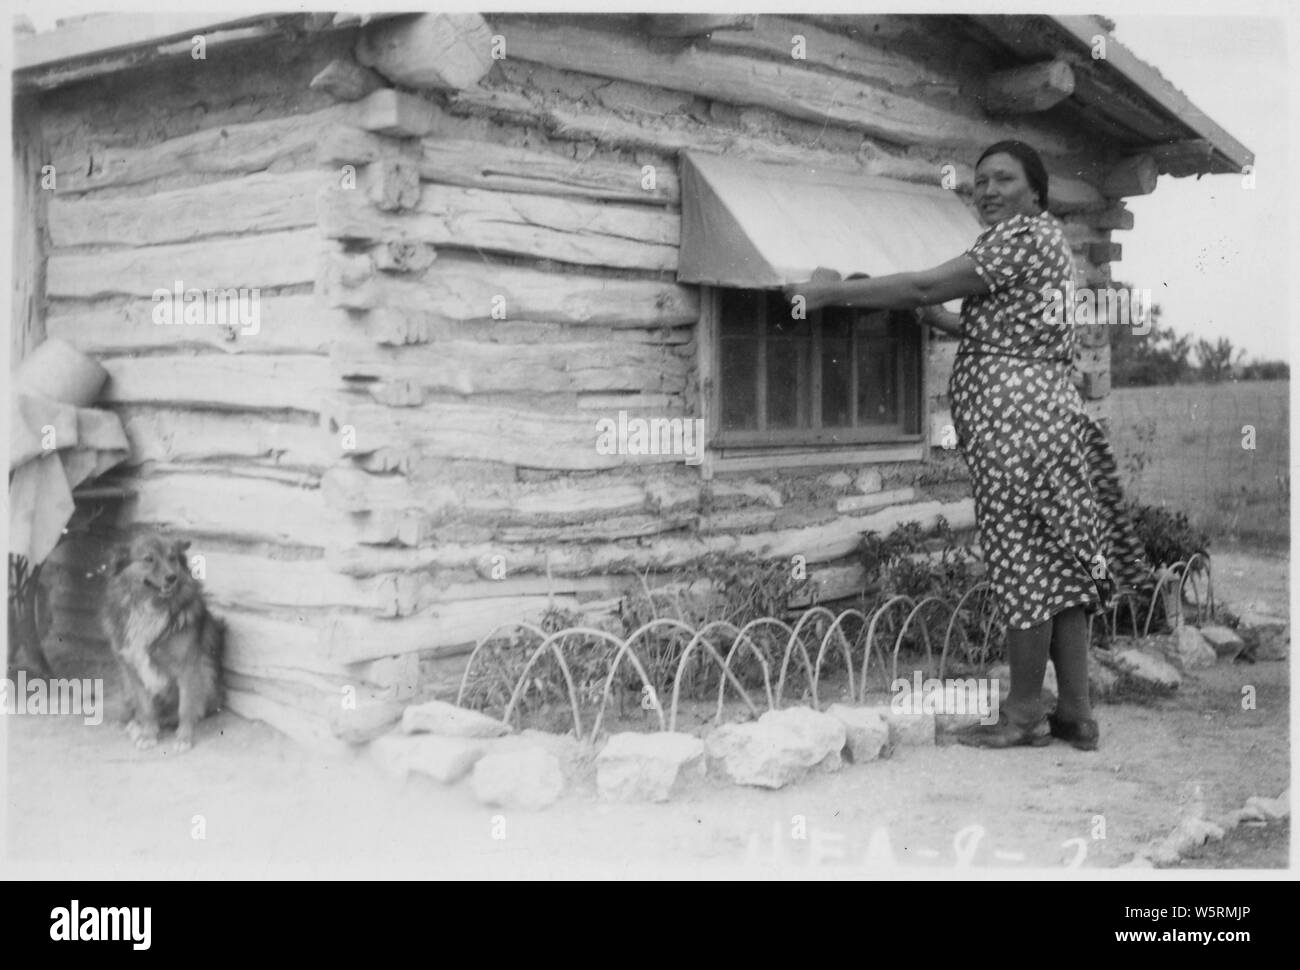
(1215,254)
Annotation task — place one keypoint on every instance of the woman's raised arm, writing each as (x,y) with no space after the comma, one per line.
(897,291)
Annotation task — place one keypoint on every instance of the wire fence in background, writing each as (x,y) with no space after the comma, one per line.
(1189,448)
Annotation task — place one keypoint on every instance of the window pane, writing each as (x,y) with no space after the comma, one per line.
(741,312)
(877,381)
(837,369)
(739,374)
(788,381)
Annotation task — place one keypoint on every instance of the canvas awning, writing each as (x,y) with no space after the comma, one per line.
(754,225)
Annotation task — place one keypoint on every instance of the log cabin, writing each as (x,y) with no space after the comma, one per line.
(473,244)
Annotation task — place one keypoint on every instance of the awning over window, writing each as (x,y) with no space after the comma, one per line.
(756,226)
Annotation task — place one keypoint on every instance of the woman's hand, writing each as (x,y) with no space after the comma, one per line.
(816,291)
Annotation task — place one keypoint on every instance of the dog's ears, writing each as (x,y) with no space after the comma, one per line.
(179,548)
(119,558)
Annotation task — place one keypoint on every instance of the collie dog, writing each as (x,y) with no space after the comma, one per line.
(168,646)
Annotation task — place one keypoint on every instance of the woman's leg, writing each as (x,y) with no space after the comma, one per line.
(1020,720)
(1069,653)
(1027,652)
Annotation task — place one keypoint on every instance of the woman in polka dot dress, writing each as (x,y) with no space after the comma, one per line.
(1047,499)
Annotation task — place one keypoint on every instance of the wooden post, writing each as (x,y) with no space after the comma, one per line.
(1033,88)
(1135,175)
(31,204)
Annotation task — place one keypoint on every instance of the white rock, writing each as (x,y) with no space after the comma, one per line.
(1192,832)
(1267,637)
(777,749)
(439,717)
(1225,642)
(837,480)
(907,730)
(1279,807)
(444,759)
(868,481)
(819,736)
(1193,650)
(528,779)
(866,732)
(1144,671)
(648,767)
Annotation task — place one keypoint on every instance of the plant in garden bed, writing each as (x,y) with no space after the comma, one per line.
(907,562)
(1167,538)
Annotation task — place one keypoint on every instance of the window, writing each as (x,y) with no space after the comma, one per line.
(842,376)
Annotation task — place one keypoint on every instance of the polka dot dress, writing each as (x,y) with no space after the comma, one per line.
(1047,497)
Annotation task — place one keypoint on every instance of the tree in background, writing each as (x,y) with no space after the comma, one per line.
(1217,359)
(1162,356)
(1159,356)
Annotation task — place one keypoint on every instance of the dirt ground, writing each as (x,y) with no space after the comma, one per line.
(82,801)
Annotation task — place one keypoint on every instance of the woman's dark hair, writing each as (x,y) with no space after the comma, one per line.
(1035,171)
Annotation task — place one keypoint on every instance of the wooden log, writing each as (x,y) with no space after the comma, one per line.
(397,114)
(850,504)
(773,35)
(286,324)
(355,713)
(257,203)
(471,367)
(352,639)
(476,164)
(823,543)
(1104,252)
(173,435)
(289,381)
(596,530)
(346,80)
(403,257)
(1066,194)
(393,185)
(311,731)
(444,51)
(539,226)
(269,260)
(1183,158)
(694,25)
(533,439)
(785,87)
(259,583)
(236,508)
(1116,217)
(1035,87)
(234,149)
(468,290)
(1135,175)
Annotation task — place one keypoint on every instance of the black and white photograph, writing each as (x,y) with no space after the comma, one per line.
(731,444)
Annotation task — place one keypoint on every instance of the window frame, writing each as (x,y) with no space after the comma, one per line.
(752,449)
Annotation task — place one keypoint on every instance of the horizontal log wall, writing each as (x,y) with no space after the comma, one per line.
(456,286)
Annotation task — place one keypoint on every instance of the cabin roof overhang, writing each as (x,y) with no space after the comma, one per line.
(1130,101)
(1121,96)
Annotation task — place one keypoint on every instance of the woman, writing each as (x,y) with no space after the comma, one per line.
(1046,495)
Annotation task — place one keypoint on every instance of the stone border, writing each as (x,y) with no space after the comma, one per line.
(1192,833)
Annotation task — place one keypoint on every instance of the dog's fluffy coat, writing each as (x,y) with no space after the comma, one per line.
(167,644)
